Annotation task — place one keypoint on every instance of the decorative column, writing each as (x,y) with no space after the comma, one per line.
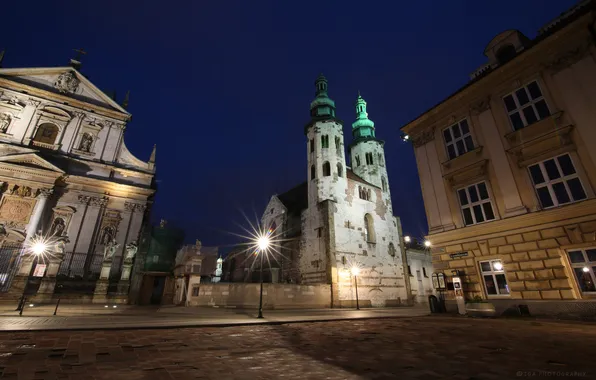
(48,282)
(37,213)
(124,283)
(100,295)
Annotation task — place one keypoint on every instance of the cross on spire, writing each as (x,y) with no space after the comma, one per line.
(80,54)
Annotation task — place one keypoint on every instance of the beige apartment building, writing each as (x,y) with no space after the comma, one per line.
(507,166)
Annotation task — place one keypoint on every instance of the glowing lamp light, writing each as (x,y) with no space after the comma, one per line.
(498,266)
(585,269)
(355,271)
(407,239)
(427,244)
(39,248)
(263,243)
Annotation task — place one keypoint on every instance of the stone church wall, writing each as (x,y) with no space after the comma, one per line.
(275,296)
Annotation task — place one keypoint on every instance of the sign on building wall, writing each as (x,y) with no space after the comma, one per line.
(39,271)
(458,255)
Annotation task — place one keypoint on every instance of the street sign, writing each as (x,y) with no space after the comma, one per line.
(458,255)
(40,270)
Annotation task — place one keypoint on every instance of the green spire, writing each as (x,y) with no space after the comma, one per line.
(322,107)
(363,127)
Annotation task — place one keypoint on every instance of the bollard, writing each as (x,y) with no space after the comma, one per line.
(57,304)
(22,305)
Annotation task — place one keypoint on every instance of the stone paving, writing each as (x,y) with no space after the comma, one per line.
(408,348)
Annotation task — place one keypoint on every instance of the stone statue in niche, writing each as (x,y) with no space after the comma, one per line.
(108,234)
(86,141)
(57,227)
(131,251)
(4,122)
(67,82)
(110,250)
(60,247)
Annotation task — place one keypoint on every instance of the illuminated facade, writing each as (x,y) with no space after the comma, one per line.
(66,172)
(508,170)
(341,216)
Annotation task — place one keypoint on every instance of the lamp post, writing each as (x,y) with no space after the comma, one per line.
(37,248)
(263,244)
(355,272)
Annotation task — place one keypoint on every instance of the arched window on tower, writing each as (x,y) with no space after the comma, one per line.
(338,146)
(324,141)
(380,159)
(369,229)
(357,161)
(46,133)
(312,145)
(326,169)
(313,172)
(384,183)
(369,158)
(340,170)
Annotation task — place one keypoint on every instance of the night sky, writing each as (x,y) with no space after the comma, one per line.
(223,87)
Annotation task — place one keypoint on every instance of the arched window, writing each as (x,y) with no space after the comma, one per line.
(391,250)
(357,160)
(505,53)
(384,183)
(338,146)
(312,172)
(86,141)
(369,229)
(340,170)
(326,169)
(46,133)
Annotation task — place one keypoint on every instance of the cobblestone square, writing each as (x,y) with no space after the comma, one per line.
(409,348)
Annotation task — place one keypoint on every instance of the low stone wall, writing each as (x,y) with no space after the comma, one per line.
(275,296)
(572,309)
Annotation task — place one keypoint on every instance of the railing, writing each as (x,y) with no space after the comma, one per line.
(9,263)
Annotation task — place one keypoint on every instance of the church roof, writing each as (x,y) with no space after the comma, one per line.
(351,175)
(296,199)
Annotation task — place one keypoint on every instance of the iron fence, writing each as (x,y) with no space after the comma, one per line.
(10,256)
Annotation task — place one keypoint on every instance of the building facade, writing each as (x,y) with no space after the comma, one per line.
(508,170)
(67,175)
(419,270)
(342,216)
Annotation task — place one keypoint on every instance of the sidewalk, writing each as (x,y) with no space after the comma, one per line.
(92,317)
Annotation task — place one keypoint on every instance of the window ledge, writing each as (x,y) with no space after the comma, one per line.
(45,145)
(526,135)
(462,159)
(83,153)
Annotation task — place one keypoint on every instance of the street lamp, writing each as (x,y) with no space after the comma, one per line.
(38,247)
(407,239)
(355,271)
(262,244)
(427,244)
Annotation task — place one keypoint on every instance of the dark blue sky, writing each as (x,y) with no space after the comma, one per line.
(223,87)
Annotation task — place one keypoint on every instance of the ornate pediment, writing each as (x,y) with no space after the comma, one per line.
(30,160)
(544,138)
(467,174)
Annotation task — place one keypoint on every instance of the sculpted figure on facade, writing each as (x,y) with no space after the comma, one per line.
(131,251)
(86,141)
(107,236)
(67,82)
(57,227)
(60,247)
(110,250)
(3,233)
(4,122)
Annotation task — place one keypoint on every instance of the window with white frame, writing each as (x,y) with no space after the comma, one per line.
(476,205)
(494,278)
(583,262)
(526,106)
(458,139)
(556,181)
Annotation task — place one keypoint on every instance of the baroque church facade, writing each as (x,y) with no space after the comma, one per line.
(67,176)
(342,216)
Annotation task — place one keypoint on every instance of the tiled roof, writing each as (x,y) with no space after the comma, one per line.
(354,177)
(296,199)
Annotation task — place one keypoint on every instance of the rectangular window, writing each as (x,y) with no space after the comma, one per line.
(458,139)
(357,161)
(476,205)
(369,158)
(324,141)
(410,271)
(494,278)
(424,272)
(312,145)
(195,291)
(338,146)
(526,106)
(583,263)
(556,182)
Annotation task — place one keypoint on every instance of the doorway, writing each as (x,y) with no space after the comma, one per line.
(157,292)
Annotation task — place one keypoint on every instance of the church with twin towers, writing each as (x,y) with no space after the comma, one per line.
(341,217)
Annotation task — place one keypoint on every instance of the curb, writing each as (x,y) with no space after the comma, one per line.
(204,325)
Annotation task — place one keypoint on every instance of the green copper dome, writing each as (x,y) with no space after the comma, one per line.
(322,107)
(363,127)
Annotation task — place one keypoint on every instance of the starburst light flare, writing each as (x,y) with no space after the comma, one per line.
(40,246)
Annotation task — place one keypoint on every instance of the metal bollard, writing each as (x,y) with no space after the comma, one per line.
(23,305)
(57,304)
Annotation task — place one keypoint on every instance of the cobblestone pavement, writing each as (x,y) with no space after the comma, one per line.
(408,348)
